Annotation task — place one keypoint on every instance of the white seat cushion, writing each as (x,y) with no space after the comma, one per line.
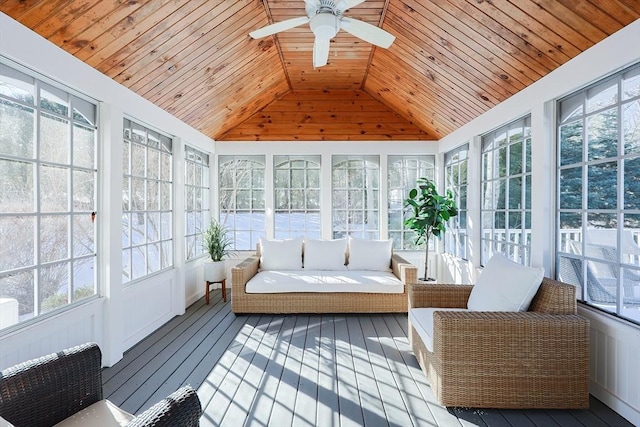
(422,321)
(504,285)
(100,414)
(5,423)
(266,282)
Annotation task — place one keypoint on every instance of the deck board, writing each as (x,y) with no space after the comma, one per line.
(327,411)
(372,412)
(226,376)
(304,413)
(260,411)
(348,390)
(303,370)
(391,395)
(285,397)
(392,349)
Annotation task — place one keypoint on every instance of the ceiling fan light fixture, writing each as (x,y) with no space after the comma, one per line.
(324,25)
(325,19)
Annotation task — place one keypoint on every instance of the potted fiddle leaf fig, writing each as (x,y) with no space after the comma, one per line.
(218,244)
(430,212)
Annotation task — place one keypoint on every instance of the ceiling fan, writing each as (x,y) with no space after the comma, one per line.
(325,17)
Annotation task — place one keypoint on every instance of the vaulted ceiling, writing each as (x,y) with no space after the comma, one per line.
(451,61)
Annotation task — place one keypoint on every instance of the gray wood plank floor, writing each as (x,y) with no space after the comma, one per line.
(302,370)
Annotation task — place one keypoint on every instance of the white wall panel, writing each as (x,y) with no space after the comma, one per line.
(194,281)
(454,270)
(614,362)
(147,305)
(72,327)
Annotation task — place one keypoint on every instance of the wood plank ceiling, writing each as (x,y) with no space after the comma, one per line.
(451,61)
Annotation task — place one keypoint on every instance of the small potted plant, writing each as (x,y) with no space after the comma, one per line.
(430,211)
(217,243)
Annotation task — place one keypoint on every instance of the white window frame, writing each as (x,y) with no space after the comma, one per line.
(408,168)
(79,212)
(456,238)
(197,200)
(153,246)
(595,240)
(367,194)
(242,174)
(309,214)
(513,242)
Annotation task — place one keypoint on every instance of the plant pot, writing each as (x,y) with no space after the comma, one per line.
(215,271)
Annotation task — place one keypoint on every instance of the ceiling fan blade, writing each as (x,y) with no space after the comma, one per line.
(352,3)
(312,7)
(278,27)
(367,32)
(320,52)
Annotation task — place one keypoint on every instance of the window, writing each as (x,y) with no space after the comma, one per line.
(147,245)
(455,170)
(297,196)
(598,230)
(47,196)
(506,192)
(197,209)
(242,196)
(356,198)
(402,174)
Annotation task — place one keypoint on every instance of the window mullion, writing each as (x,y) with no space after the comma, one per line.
(602,250)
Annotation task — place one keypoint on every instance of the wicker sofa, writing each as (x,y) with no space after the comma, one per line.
(66,388)
(315,301)
(538,358)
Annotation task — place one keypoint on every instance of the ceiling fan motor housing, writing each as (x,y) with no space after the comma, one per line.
(324,25)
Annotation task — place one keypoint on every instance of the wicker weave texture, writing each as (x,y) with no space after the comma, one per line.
(509,359)
(439,295)
(181,408)
(307,302)
(555,297)
(45,391)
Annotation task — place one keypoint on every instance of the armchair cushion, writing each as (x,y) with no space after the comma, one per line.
(422,321)
(504,285)
(101,414)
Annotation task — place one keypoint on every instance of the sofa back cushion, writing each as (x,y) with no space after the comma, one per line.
(370,254)
(281,254)
(504,285)
(325,254)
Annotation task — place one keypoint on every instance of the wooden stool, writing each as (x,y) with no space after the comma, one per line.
(224,289)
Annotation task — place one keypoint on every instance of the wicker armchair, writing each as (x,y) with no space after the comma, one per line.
(533,359)
(45,391)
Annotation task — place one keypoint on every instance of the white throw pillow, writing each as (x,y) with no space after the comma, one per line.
(504,285)
(369,254)
(281,254)
(325,254)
